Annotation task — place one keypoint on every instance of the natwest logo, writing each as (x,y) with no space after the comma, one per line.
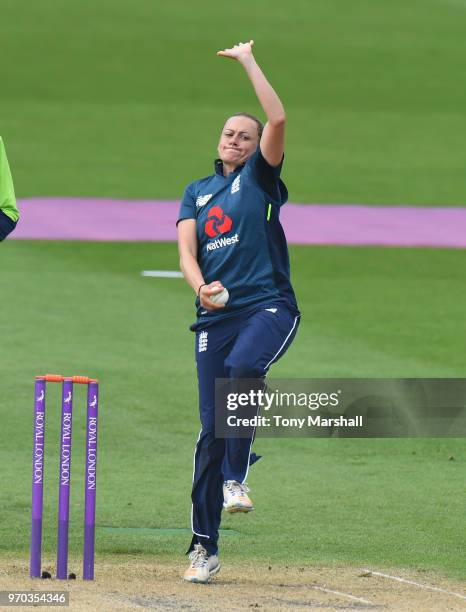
(222,242)
(217,222)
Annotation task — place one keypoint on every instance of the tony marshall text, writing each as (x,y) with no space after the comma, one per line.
(280,421)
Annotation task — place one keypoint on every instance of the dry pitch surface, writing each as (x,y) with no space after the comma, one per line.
(138,586)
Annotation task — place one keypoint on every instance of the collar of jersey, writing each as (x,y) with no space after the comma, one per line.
(218,165)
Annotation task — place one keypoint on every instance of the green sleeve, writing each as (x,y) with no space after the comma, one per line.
(7,191)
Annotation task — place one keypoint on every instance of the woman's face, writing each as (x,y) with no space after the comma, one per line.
(238,141)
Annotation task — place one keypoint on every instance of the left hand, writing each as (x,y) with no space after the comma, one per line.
(238,51)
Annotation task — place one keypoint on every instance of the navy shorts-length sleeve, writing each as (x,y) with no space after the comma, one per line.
(188,205)
(268,177)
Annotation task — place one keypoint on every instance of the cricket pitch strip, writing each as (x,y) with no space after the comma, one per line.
(131,585)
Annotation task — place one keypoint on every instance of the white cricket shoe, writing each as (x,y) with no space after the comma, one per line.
(202,566)
(235,497)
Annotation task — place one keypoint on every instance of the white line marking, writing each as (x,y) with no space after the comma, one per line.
(318,588)
(418,584)
(162,273)
(192,505)
(284,342)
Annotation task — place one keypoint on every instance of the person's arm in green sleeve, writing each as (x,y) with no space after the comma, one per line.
(7,191)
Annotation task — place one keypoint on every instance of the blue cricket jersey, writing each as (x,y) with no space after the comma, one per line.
(240,238)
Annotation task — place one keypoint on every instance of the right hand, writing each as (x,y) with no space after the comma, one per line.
(239,51)
(208,290)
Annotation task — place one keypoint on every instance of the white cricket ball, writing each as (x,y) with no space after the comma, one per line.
(221,297)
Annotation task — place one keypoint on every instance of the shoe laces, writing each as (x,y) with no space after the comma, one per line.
(198,556)
(236,488)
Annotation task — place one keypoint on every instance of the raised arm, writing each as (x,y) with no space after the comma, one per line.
(272,143)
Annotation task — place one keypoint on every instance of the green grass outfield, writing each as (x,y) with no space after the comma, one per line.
(83,308)
(127,99)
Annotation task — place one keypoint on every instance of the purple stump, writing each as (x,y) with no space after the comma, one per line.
(37,478)
(64,479)
(90,480)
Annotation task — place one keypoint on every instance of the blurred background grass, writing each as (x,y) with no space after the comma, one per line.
(127,99)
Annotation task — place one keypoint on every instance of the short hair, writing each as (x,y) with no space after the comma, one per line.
(260,126)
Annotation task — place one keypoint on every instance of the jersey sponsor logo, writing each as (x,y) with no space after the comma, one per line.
(203,339)
(222,242)
(217,222)
(235,184)
(202,200)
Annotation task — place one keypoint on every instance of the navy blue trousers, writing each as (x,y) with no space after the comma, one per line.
(243,346)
